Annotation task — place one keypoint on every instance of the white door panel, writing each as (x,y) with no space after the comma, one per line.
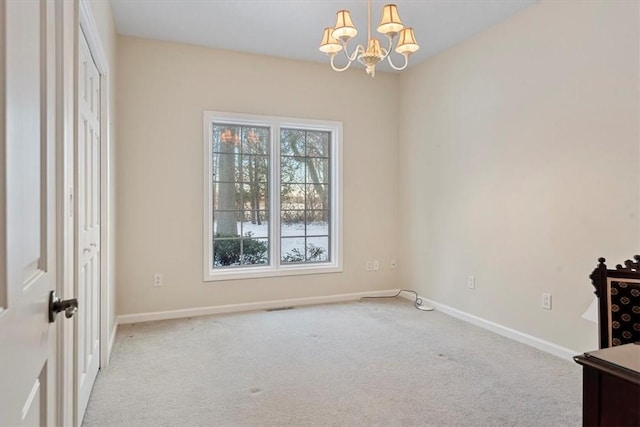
(87,226)
(27,339)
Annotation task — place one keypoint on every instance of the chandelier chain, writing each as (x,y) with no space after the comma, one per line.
(368,22)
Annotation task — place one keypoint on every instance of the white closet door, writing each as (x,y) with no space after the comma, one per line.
(87,227)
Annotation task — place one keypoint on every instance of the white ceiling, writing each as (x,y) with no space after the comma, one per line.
(293,28)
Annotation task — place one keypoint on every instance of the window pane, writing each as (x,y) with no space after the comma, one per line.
(255,251)
(292,223)
(226,252)
(255,168)
(317,249)
(226,138)
(292,142)
(292,249)
(225,167)
(258,196)
(253,197)
(255,140)
(292,196)
(317,223)
(255,224)
(292,170)
(226,223)
(317,171)
(317,144)
(227,196)
(317,197)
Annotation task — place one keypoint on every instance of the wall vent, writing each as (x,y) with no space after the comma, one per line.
(279,309)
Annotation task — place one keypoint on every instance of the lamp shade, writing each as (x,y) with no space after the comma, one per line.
(329,45)
(344,28)
(373,49)
(390,23)
(591,313)
(407,42)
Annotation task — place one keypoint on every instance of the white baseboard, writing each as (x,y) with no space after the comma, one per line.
(233,308)
(535,342)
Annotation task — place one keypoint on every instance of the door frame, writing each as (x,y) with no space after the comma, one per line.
(3,223)
(65,133)
(73,17)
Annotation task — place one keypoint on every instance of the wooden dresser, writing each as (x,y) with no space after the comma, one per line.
(611,386)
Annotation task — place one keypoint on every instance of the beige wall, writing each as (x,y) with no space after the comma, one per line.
(106,28)
(519,164)
(163,89)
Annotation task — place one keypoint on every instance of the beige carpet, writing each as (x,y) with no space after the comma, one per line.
(373,363)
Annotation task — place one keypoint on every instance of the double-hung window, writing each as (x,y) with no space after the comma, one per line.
(272,196)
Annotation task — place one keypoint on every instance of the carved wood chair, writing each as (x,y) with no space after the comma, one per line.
(618,292)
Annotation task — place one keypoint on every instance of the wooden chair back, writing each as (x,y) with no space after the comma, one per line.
(618,292)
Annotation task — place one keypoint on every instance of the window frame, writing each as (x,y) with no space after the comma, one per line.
(276,268)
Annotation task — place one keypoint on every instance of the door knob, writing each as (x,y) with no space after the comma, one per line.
(56,305)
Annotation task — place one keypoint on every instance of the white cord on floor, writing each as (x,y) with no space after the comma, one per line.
(417,303)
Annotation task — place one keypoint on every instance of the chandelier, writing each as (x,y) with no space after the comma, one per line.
(336,39)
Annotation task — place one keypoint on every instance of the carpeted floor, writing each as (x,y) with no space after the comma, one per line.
(373,363)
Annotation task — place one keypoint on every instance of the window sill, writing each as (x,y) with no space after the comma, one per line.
(265,272)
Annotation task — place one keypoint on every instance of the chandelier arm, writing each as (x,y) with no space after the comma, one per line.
(359,49)
(387,52)
(339,69)
(406,62)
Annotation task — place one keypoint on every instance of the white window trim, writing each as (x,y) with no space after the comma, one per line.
(275,269)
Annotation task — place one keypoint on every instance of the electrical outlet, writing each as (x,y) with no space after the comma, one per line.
(158,280)
(376,265)
(393,264)
(546,301)
(369,265)
(471,282)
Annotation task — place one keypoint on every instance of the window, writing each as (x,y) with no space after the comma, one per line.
(272,196)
